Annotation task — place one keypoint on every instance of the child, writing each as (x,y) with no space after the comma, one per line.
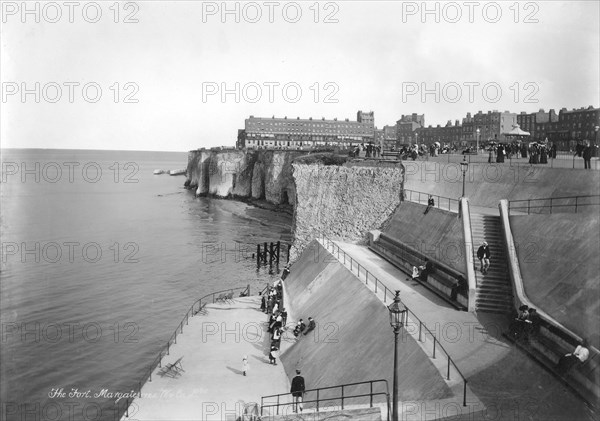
(245,366)
(272,359)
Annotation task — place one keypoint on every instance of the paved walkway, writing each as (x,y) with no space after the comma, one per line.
(212,386)
(508,382)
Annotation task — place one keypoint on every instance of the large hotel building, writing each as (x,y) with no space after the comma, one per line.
(260,132)
(565,129)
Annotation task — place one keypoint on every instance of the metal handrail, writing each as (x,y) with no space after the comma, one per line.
(320,399)
(576,205)
(173,339)
(438,201)
(377,282)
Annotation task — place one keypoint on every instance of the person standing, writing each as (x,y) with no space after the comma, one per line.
(430,204)
(297,390)
(587,156)
(272,358)
(245,366)
(483,254)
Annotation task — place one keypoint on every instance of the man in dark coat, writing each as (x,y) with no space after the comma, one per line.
(297,390)
(587,156)
(426,270)
(459,287)
(483,254)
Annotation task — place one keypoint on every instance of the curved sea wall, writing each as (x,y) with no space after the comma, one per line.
(242,174)
(343,202)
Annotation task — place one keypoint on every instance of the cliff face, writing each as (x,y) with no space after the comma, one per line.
(343,202)
(244,174)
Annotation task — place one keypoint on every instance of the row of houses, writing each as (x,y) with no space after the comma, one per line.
(565,129)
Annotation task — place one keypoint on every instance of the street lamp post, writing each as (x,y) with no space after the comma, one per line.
(397,320)
(463,166)
(478,133)
(596,140)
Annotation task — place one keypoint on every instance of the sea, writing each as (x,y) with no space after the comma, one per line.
(101,259)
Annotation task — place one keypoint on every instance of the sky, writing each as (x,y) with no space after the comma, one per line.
(177,76)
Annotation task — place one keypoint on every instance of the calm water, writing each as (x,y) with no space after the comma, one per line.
(100,261)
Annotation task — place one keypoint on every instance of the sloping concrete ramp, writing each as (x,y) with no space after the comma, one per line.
(437,234)
(558,258)
(353,341)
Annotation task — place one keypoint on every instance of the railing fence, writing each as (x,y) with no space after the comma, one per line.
(378,285)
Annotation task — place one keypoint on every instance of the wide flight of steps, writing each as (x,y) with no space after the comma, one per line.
(494,290)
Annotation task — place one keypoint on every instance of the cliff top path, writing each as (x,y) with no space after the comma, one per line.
(508,382)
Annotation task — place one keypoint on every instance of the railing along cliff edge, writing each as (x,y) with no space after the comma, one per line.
(335,250)
(199,304)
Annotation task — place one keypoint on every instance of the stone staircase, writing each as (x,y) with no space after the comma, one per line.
(494,290)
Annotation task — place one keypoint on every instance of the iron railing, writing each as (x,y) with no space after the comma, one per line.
(439,201)
(335,251)
(546,205)
(289,401)
(199,304)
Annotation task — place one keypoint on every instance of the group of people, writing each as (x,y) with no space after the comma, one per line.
(371,151)
(526,324)
(277,317)
(302,329)
(277,321)
(422,272)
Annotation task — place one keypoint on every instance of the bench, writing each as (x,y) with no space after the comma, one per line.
(548,346)
(172,369)
(441,282)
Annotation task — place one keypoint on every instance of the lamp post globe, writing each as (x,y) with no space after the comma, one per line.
(398,312)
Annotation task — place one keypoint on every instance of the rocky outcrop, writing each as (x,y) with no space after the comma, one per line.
(243,174)
(343,202)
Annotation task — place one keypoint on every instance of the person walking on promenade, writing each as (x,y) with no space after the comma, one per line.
(297,390)
(245,366)
(483,254)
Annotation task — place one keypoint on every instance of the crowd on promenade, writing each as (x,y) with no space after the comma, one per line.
(370,150)
(272,305)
